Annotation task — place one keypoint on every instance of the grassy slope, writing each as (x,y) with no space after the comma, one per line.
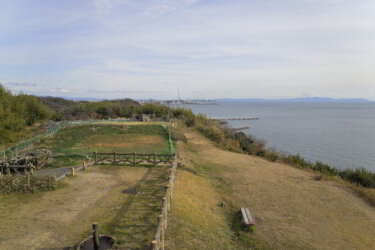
(292,209)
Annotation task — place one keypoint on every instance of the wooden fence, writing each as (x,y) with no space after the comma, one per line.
(132,159)
(159,238)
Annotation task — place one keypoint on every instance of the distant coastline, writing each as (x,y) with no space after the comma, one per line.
(307,99)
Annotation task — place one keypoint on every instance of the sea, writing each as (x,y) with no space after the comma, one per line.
(339,134)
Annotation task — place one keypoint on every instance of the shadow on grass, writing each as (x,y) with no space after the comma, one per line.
(135,223)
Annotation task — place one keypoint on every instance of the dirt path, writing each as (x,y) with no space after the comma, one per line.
(292,210)
(62,217)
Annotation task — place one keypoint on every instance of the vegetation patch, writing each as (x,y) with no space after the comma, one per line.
(26,184)
(72,145)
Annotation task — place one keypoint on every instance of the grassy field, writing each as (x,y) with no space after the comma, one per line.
(71,145)
(293,208)
(124,200)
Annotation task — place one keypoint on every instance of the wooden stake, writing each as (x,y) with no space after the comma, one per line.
(95,235)
(164,207)
(72,171)
(160,219)
(154,244)
(28,180)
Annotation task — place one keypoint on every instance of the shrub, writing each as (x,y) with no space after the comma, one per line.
(177,135)
(271,156)
(324,168)
(19,184)
(359,176)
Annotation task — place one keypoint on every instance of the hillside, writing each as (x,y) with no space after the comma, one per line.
(71,110)
(19,112)
(22,115)
(293,208)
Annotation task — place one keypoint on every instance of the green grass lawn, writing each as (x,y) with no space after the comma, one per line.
(71,145)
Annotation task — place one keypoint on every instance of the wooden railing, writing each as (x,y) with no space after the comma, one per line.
(132,158)
(159,238)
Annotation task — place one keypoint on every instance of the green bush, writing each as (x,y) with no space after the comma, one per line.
(17,112)
(324,168)
(359,176)
(271,156)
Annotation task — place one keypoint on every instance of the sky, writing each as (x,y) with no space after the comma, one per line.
(205,48)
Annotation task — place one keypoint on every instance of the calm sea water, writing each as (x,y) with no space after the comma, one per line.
(340,134)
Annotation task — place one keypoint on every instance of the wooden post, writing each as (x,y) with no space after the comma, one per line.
(72,171)
(165,211)
(167,194)
(114,157)
(134,158)
(95,157)
(28,180)
(154,244)
(8,171)
(95,235)
(170,181)
(160,220)
(84,165)
(154,159)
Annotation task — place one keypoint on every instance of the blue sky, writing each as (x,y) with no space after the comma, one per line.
(207,48)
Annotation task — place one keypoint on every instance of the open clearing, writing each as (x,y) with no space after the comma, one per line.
(124,200)
(291,209)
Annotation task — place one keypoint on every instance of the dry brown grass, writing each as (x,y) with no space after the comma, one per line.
(197,222)
(63,217)
(293,210)
(125,141)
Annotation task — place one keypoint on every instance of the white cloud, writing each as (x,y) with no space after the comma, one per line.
(216,48)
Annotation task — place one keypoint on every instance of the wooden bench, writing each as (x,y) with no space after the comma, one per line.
(247,218)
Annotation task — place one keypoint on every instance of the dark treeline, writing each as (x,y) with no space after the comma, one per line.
(81,110)
(18,112)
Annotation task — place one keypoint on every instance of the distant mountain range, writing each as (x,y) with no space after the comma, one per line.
(307,99)
(71,98)
(302,99)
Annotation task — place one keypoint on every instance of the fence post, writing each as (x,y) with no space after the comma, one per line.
(167,194)
(134,158)
(72,171)
(28,180)
(95,157)
(95,235)
(160,220)
(7,169)
(84,165)
(170,181)
(165,212)
(154,159)
(114,157)
(154,245)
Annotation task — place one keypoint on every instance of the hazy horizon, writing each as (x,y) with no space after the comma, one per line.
(207,49)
